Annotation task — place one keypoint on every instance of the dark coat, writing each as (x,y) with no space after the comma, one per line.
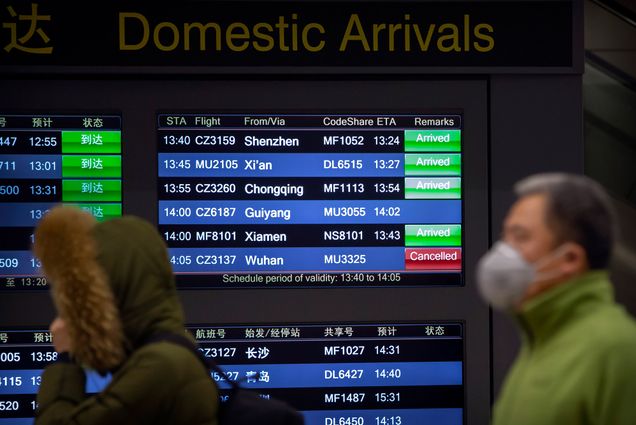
(112,283)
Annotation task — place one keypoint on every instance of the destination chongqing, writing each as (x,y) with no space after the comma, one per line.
(277,191)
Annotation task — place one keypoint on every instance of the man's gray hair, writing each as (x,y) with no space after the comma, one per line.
(578,210)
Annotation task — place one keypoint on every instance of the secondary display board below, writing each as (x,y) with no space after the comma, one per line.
(307,200)
(336,374)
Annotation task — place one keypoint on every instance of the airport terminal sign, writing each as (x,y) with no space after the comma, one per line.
(287,34)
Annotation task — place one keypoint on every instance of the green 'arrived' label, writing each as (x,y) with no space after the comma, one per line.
(107,166)
(432,140)
(91,142)
(432,164)
(432,188)
(433,235)
(91,190)
(102,212)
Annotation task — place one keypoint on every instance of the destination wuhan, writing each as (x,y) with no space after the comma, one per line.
(292,33)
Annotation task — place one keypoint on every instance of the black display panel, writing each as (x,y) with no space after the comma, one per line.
(46,160)
(311,200)
(140,102)
(336,374)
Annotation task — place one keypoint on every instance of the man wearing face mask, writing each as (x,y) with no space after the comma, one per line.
(577,363)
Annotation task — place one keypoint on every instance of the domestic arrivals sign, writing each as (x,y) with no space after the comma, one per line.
(287,34)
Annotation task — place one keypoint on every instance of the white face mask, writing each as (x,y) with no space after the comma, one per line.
(503,275)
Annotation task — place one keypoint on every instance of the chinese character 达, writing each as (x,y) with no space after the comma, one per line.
(91,139)
(20,43)
(92,163)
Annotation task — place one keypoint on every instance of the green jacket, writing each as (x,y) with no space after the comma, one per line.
(157,383)
(577,363)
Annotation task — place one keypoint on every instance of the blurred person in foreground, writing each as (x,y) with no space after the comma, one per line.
(113,289)
(577,363)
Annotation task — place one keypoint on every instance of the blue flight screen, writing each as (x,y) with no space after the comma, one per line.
(335,374)
(308,200)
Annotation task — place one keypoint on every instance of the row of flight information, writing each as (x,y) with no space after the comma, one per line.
(336,374)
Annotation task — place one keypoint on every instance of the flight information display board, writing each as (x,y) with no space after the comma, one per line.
(46,160)
(336,374)
(252,200)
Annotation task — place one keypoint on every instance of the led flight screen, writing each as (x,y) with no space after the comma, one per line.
(336,374)
(252,200)
(46,160)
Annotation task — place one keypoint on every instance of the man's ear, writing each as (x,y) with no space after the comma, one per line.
(575,259)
